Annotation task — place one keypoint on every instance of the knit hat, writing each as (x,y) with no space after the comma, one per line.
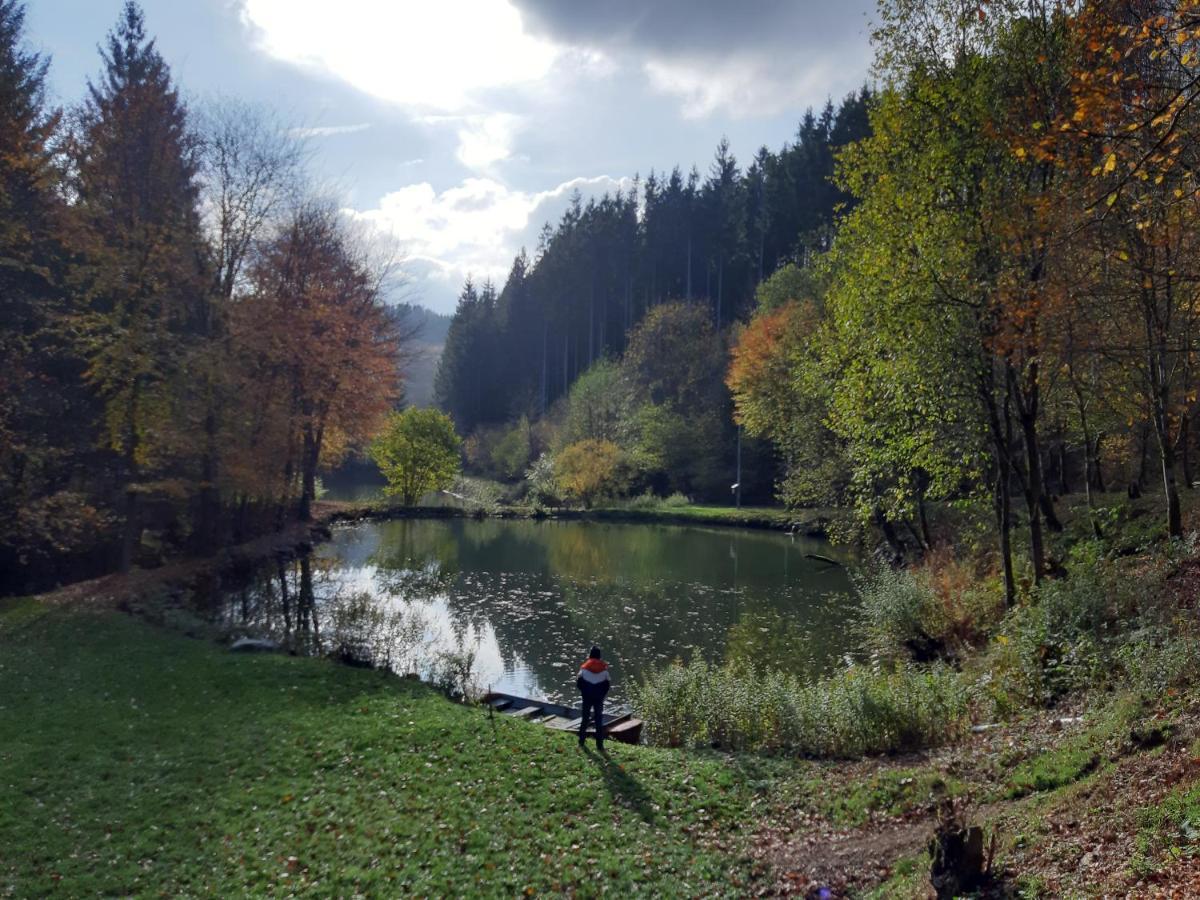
(594,653)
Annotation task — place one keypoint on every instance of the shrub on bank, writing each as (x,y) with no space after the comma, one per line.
(856,711)
(934,611)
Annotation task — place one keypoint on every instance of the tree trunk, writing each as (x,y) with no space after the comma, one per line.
(1167,457)
(308,488)
(1003,506)
(131,532)
(1185,458)
(1097,467)
(1088,475)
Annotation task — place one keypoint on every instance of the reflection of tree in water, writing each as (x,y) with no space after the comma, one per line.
(766,638)
(546,590)
(303,605)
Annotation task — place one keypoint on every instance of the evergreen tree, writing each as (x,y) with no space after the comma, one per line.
(45,418)
(136,166)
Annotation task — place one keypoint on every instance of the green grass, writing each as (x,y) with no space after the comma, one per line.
(1168,830)
(1079,756)
(760,516)
(136,761)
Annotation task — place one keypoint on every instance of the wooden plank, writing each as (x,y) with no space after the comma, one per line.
(527,713)
(559,722)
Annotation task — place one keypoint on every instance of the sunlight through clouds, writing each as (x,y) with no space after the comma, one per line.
(427,55)
(474,227)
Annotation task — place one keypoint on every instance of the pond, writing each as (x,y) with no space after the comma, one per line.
(525,599)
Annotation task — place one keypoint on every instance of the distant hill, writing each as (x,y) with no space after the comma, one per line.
(426,351)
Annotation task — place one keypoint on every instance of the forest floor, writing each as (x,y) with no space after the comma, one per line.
(136,760)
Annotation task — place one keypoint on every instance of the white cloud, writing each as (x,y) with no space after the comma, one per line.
(474,228)
(428,55)
(754,85)
(486,140)
(328,130)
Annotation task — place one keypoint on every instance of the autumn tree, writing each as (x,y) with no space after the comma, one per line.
(590,469)
(1129,138)
(781,392)
(318,352)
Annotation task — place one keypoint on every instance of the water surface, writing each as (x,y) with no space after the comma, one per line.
(527,598)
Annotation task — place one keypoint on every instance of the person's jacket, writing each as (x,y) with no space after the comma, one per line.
(593,679)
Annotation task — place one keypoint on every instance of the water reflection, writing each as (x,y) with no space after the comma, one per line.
(528,598)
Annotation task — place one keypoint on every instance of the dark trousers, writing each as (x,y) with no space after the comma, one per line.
(595,706)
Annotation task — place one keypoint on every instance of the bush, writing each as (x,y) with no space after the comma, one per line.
(478,494)
(856,711)
(934,611)
(510,453)
(589,470)
(541,488)
(647,502)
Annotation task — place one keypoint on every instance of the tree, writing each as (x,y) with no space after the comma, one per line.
(417,452)
(136,163)
(1128,140)
(781,392)
(598,405)
(318,352)
(590,469)
(47,417)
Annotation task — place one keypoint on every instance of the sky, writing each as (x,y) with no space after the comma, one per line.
(459,127)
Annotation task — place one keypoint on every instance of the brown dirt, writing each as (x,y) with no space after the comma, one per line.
(1077,841)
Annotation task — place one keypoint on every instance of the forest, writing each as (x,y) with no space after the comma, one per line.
(970,283)
(944,344)
(189,326)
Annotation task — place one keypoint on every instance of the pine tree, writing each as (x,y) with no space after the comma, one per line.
(136,165)
(44,417)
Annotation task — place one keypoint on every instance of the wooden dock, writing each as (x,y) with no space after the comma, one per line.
(619,726)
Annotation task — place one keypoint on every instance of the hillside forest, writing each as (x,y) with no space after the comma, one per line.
(971,284)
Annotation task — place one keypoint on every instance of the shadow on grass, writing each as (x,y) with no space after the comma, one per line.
(624,788)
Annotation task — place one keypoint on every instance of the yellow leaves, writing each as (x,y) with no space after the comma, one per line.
(1110,163)
(1020,152)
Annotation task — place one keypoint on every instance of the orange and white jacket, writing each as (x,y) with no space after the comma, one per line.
(593,680)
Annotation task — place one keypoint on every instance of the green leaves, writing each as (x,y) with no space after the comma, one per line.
(417,452)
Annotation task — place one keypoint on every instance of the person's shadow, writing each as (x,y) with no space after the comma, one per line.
(626,790)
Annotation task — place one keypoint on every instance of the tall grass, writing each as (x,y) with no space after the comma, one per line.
(858,710)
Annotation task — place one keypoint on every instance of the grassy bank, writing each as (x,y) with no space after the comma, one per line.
(813,523)
(136,761)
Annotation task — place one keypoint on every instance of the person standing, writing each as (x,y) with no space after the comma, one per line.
(593,683)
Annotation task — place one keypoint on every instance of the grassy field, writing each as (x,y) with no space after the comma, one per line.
(135,761)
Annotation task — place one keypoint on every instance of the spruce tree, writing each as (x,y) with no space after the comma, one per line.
(136,165)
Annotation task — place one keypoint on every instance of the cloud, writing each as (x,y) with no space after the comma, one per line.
(328,130)
(484,141)
(754,58)
(749,86)
(474,228)
(434,56)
